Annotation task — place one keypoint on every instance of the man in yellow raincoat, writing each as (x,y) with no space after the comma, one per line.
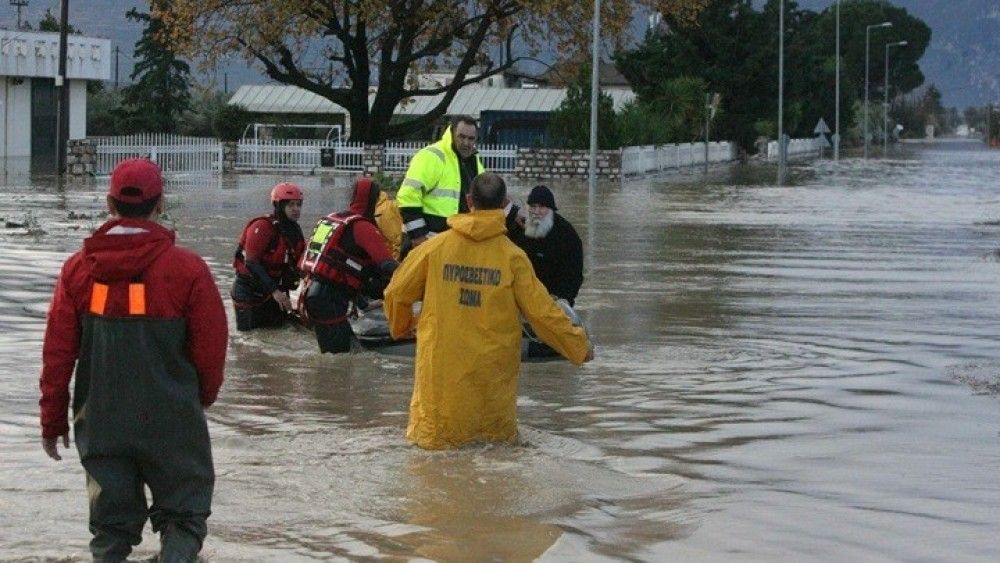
(389,223)
(474,282)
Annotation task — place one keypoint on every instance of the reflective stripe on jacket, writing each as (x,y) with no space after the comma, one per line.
(326,256)
(131,306)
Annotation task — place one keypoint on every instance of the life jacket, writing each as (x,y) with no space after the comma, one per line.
(279,257)
(328,257)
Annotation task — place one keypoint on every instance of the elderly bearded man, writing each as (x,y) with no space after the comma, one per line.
(552,245)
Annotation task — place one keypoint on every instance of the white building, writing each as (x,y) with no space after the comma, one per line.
(29,63)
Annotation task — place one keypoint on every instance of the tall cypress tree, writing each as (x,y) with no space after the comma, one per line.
(160,92)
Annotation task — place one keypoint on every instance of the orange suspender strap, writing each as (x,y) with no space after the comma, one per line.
(98,298)
(136,298)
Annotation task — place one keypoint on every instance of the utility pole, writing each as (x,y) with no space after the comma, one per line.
(867,58)
(595,86)
(836,118)
(62,87)
(708,111)
(781,92)
(20,4)
(118,51)
(885,103)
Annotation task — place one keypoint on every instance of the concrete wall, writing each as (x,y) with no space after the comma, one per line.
(15,119)
(77,109)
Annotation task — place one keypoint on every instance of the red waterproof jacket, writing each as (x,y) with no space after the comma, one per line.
(262,241)
(178,290)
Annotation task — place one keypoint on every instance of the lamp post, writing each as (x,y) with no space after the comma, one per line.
(867,57)
(885,103)
(594,98)
(781,92)
(836,118)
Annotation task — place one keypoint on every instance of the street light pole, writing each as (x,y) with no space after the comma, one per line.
(885,103)
(867,57)
(594,98)
(836,119)
(781,92)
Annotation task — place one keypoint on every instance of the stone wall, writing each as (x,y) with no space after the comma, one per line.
(372,159)
(533,164)
(230,150)
(81,158)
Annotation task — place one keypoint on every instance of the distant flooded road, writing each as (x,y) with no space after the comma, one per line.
(807,372)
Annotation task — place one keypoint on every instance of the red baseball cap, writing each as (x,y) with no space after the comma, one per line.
(136,180)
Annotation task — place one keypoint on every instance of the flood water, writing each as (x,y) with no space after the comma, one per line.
(807,372)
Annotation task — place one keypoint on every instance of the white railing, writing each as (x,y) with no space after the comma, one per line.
(396,156)
(302,155)
(496,158)
(650,159)
(499,158)
(174,153)
(796,147)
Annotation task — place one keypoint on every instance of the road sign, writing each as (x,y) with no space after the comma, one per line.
(821,127)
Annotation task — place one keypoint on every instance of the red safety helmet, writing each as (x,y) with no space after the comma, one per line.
(285,190)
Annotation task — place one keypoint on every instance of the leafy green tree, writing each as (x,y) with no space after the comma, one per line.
(728,48)
(734,47)
(51,23)
(569,125)
(376,50)
(674,115)
(160,92)
(103,112)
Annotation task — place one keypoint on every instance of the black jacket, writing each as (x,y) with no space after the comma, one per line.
(557,258)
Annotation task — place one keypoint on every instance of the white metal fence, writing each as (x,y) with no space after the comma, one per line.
(796,147)
(301,155)
(651,159)
(174,153)
(396,156)
(496,158)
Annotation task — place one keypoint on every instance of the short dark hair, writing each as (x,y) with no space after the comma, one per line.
(488,191)
(455,120)
(139,210)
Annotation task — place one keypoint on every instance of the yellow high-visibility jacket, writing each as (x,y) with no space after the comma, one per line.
(390,223)
(431,189)
(474,282)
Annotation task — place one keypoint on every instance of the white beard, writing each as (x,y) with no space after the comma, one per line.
(539,227)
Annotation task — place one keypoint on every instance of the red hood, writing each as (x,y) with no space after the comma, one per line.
(364,198)
(124,248)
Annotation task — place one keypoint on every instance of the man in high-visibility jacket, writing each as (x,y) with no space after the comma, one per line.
(437,181)
(475,284)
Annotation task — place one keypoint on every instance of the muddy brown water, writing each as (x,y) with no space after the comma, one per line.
(805,372)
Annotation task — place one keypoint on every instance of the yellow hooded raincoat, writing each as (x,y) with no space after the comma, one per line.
(473,282)
(390,223)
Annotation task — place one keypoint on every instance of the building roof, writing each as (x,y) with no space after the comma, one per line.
(468,101)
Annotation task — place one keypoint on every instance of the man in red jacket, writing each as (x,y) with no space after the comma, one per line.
(143,323)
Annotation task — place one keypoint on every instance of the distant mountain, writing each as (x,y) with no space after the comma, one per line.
(963,59)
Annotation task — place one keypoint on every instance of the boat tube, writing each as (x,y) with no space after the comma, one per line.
(371,329)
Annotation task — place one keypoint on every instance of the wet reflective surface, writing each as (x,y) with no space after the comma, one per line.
(805,372)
